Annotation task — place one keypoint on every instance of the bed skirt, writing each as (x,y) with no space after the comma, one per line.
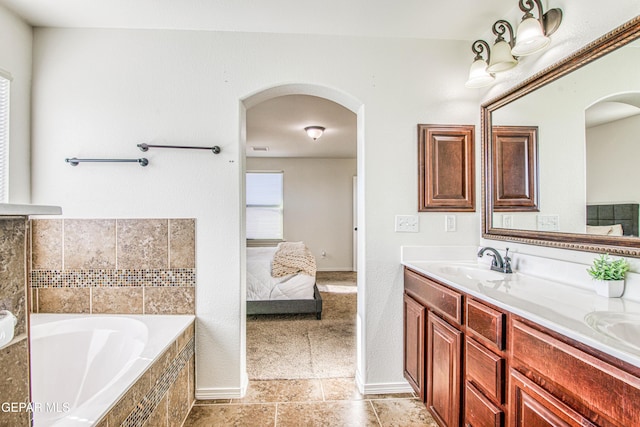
(296,306)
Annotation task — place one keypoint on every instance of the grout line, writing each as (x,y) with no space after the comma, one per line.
(375,412)
(275,417)
(324,398)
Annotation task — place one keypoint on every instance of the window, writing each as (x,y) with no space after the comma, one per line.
(4,138)
(265,205)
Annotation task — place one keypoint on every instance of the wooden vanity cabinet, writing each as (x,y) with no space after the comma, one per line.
(414,345)
(571,380)
(476,365)
(438,349)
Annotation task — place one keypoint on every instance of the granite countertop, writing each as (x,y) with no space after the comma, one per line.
(11,209)
(560,307)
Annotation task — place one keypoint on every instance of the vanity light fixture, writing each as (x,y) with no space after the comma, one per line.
(478,74)
(501,57)
(314,132)
(533,34)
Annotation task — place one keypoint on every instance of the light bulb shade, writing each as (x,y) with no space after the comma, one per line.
(314,132)
(478,75)
(501,58)
(530,38)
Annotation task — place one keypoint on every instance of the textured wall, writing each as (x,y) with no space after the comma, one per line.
(14,359)
(127,266)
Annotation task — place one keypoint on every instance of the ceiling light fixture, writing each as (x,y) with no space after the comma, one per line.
(533,34)
(501,57)
(478,74)
(314,132)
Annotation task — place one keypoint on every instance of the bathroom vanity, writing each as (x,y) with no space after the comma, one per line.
(483,348)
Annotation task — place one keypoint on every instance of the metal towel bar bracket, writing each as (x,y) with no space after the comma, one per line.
(75,161)
(145,147)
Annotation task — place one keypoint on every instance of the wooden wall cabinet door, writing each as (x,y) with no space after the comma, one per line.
(515,168)
(414,324)
(446,168)
(444,353)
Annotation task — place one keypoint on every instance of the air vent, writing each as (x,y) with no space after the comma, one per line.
(260,148)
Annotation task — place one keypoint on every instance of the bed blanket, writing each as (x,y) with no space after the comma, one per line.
(292,258)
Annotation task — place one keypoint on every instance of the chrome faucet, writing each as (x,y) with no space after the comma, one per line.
(498,263)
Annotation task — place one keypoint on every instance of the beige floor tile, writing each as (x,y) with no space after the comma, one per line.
(340,389)
(258,415)
(403,413)
(282,391)
(327,414)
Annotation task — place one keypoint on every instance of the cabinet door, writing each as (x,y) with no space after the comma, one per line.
(532,406)
(443,370)
(414,323)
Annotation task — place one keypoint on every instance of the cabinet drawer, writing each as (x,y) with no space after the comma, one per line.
(439,298)
(485,370)
(603,393)
(479,411)
(486,323)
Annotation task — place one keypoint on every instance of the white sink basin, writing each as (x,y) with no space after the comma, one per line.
(470,271)
(622,327)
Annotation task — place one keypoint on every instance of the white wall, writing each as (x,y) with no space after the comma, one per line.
(612,162)
(100,92)
(15,58)
(318,205)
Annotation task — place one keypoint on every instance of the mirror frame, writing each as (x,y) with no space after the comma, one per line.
(624,246)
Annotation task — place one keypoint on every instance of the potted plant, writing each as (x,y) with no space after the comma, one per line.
(608,275)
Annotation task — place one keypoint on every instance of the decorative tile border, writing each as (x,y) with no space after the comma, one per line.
(176,277)
(150,401)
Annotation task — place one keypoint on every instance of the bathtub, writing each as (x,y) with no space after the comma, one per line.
(81,365)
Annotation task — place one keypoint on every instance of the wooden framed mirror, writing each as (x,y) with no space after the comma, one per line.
(565,102)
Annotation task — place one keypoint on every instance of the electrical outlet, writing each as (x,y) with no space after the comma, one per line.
(449,223)
(407,223)
(548,222)
(507,221)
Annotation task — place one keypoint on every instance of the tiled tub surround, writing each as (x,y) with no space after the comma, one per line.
(155,389)
(558,295)
(125,266)
(14,358)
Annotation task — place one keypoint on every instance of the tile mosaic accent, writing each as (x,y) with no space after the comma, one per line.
(174,377)
(156,257)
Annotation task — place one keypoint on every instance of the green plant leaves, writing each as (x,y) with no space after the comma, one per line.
(606,268)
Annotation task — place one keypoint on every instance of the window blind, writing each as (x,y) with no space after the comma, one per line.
(4,139)
(264,205)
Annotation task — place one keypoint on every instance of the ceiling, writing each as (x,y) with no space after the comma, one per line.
(279,123)
(430,19)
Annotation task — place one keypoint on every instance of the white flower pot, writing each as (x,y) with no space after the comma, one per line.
(609,288)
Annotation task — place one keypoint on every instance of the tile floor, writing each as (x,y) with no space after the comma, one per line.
(310,402)
(314,401)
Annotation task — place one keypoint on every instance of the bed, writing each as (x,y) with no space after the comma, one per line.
(294,293)
(625,215)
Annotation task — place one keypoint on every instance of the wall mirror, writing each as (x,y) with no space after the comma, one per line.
(587,112)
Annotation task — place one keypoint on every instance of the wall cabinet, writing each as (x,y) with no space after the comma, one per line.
(476,365)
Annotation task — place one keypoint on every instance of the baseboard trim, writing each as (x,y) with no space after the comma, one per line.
(385,388)
(335,269)
(220,393)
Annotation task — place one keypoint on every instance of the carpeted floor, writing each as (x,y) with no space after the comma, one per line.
(299,346)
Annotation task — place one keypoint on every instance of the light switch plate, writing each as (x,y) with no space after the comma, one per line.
(507,221)
(407,223)
(449,223)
